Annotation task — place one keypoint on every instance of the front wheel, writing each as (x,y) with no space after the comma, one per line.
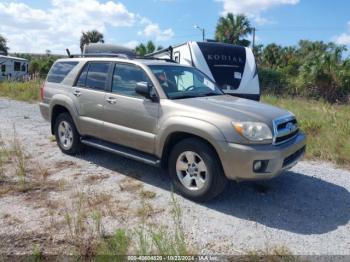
(67,136)
(196,170)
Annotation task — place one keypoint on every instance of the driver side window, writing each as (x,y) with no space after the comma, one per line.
(184,81)
(125,79)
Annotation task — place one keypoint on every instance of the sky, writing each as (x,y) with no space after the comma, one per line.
(37,25)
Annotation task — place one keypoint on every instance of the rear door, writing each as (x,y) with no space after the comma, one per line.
(130,119)
(89,92)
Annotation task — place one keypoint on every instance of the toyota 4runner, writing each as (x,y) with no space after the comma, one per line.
(171,116)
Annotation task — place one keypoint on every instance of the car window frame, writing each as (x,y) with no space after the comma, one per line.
(109,90)
(87,64)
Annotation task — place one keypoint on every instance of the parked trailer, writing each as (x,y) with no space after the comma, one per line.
(13,68)
(232,67)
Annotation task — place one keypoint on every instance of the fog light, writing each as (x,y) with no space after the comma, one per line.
(260,166)
(257,166)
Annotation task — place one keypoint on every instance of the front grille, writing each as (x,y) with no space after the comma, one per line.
(285,128)
(286,137)
(283,125)
(293,157)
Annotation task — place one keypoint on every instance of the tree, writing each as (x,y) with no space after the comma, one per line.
(272,55)
(148,48)
(233,29)
(3,45)
(258,52)
(88,37)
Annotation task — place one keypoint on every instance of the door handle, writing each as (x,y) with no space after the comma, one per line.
(111,100)
(77,93)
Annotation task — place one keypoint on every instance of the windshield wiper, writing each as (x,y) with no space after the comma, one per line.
(195,95)
(210,94)
(185,96)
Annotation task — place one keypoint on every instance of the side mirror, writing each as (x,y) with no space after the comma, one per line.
(144,89)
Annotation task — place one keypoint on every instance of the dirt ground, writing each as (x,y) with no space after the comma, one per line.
(306,210)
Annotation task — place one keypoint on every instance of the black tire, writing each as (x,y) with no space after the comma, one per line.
(75,147)
(216,179)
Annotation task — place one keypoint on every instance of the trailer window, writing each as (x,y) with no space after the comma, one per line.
(17,66)
(59,71)
(3,68)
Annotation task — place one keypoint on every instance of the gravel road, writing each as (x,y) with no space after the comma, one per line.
(306,209)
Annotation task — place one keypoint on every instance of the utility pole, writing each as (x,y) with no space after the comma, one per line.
(202,30)
(254,38)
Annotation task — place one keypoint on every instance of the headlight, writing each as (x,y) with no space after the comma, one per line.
(253,131)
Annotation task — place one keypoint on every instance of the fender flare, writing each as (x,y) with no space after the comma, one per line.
(192,126)
(67,103)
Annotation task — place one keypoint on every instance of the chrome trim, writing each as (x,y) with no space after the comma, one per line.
(285,131)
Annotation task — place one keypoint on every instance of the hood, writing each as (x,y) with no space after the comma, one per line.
(237,109)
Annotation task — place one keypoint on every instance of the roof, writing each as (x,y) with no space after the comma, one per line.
(13,58)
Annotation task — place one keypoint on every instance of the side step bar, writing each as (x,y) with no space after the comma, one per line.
(122,151)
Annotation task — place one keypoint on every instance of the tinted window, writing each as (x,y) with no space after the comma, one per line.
(97,75)
(125,78)
(59,71)
(82,78)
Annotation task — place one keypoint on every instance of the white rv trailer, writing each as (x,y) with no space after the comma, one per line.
(233,67)
(13,68)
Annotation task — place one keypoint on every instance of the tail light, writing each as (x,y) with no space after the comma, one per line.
(42,92)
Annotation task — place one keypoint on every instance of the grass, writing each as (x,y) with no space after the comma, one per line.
(270,254)
(28,91)
(326,125)
(19,173)
(87,236)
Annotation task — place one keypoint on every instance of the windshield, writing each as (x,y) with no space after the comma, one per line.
(184,82)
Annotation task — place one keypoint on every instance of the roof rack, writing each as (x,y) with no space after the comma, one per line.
(124,56)
(97,55)
(155,58)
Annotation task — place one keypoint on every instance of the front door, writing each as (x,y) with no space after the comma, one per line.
(130,119)
(89,93)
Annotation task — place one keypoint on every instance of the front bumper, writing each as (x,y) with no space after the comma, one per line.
(237,160)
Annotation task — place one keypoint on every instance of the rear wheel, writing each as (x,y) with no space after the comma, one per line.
(196,170)
(67,136)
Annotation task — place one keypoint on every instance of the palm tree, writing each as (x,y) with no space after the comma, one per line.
(148,48)
(88,37)
(3,45)
(233,29)
(272,55)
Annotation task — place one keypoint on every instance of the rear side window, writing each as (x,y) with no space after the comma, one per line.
(94,75)
(59,71)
